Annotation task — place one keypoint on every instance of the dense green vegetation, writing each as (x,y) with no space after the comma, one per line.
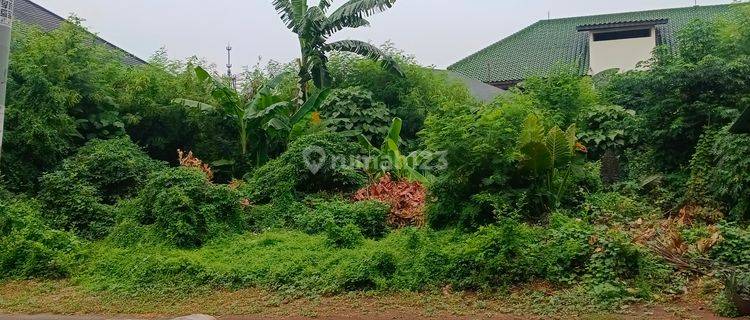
(93,189)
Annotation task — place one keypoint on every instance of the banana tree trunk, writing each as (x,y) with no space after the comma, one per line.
(6,22)
(304,73)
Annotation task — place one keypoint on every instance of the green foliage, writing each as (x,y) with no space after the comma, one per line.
(562,95)
(410,259)
(734,249)
(388,159)
(410,98)
(75,205)
(613,207)
(725,307)
(547,160)
(368,216)
(479,143)
(288,175)
(357,111)
(607,128)
(161,126)
(187,209)
(682,93)
(719,172)
(258,119)
(60,93)
(31,249)
(347,236)
(117,168)
(78,196)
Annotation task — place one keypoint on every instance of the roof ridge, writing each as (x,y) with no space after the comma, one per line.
(637,11)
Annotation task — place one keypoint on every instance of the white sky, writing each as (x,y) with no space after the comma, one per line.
(437,32)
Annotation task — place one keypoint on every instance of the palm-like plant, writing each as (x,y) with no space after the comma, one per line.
(314,26)
(255,115)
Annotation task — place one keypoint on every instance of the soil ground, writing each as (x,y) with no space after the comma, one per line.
(61,300)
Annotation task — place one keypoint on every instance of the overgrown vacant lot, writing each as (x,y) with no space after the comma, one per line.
(369,185)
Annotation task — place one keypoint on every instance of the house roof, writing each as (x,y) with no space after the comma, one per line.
(538,49)
(31,13)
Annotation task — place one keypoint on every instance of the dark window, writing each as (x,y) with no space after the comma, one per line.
(626,34)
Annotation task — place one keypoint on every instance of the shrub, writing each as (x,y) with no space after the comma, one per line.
(682,92)
(75,205)
(562,95)
(357,111)
(347,236)
(30,248)
(612,207)
(479,145)
(289,175)
(187,208)
(117,168)
(719,169)
(369,216)
(734,248)
(606,128)
(60,90)
(77,196)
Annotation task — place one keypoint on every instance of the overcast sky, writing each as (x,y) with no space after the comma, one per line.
(437,32)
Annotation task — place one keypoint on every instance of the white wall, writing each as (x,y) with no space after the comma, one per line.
(623,53)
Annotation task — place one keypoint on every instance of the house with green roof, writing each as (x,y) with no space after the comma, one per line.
(591,44)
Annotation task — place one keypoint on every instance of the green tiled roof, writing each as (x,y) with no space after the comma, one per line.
(539,48)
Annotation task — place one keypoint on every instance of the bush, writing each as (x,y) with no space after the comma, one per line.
(479,144)
(734,248)
(30,248)
(74,205)
(719,172)
(358,112)
(369,216)
(289,175)
(611,207)
(117,168)
(60,93)
(562,95)
(347,236)
(605,128)
(77,196)
(187,208)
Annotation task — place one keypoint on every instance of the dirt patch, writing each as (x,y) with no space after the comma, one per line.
(536,302)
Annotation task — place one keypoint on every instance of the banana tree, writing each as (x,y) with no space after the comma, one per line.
(256,116)
(313,26)
(388,158)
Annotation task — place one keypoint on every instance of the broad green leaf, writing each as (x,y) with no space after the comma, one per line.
(195,104)
(560,149)
(395,132)
(532,131)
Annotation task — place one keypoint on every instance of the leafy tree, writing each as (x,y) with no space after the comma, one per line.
(606,128)
(255,115)
(60,94)
(357,111)
(411,97)
(562,95)
(314,26)
(699,85)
